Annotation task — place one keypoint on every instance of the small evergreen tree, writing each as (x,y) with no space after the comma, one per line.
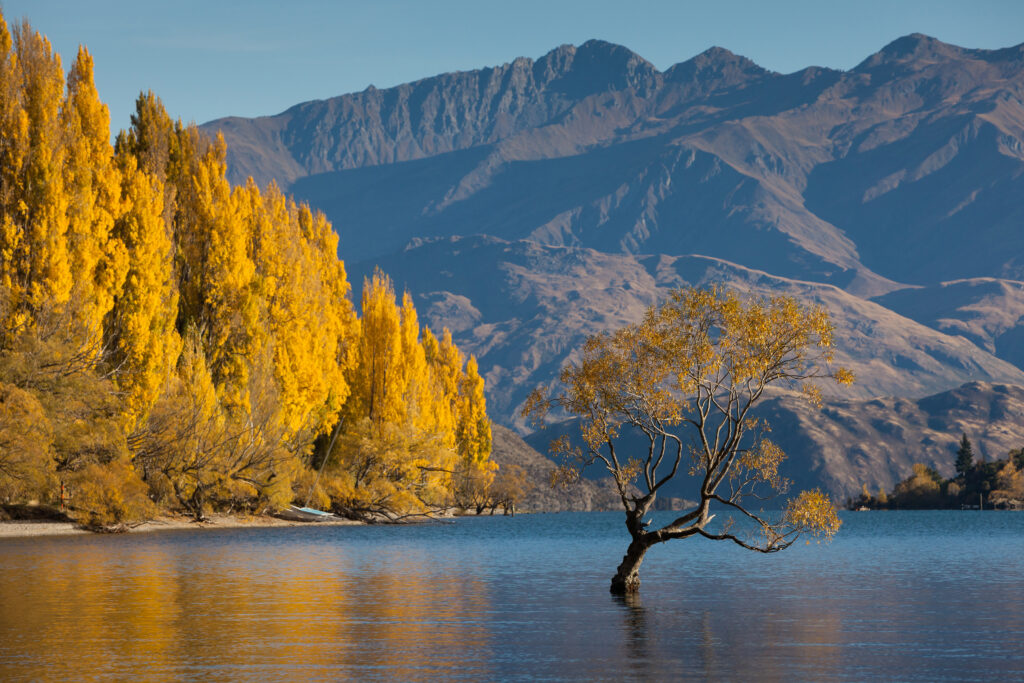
(964,457)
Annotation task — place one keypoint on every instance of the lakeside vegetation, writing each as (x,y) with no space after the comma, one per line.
(169,341)
(977,484)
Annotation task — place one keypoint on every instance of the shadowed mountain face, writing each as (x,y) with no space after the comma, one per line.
(539,495)
(529,205)
(845,444)
(540,303)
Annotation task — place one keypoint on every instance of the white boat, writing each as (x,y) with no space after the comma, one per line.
(294,513)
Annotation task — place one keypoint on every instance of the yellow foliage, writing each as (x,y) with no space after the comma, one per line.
(26,457)
(474,428)
(684,381)
(141,328)
(378,381)
(35,261)
(99,261)
(108,495)
(1010,483)
(389,470)
(111,255)
(304,307)
(762,462)
(813,512)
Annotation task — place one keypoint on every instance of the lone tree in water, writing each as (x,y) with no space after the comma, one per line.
(686,378)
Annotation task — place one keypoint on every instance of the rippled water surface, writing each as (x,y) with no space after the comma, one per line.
(923,596)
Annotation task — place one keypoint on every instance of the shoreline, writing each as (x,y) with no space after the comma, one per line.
(27,528)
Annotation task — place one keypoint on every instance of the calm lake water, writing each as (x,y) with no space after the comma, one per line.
(926,596)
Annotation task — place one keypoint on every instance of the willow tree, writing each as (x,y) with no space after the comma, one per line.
(686,378)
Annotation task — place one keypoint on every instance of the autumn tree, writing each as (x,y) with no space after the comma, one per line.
(26,458)
(141,335)
(686,378)
(920,490)
(162,328)
(389,472)
(508,488)
(378,379)
(35,263)
(1009,489)
(473,431)
(444,360)
(397,454)
(98,258)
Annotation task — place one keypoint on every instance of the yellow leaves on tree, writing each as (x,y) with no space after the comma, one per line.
(1010,486)
(418,385)
(26,459)
(99,261)
(416,378)
(109,495)
(443,361)
(36,265)
(473,434)
(220,278)
(390,471)
(378,388)
(812,512)
(685,380)
(303,297)
(141,328)
(155,318)
(332,327)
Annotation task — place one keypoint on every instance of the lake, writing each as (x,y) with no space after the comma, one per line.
(925,596)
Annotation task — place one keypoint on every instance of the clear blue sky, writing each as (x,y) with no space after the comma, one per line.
(212,58)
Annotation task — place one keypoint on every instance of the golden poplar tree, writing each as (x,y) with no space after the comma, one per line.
(221,278)
(141,328)
(34,257)
(415,372)
(377,380)
(99,261)
(303,300)
(474,427)
(442,390)
(333,327)
(13,148)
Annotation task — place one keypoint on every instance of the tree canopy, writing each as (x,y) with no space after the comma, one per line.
(168,338)
(686,378)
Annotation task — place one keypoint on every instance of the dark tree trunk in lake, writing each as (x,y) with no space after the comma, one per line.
(627,578)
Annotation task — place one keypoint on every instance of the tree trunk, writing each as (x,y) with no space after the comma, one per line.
(627,578)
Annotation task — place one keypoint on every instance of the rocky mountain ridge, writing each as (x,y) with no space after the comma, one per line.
(528,205)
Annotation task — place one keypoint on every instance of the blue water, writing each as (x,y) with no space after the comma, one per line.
(915,596)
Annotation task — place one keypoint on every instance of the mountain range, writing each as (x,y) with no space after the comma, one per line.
(529,205)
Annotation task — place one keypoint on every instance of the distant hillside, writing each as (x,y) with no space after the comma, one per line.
(846,444)
(524,309)
(585,495)
(987,311)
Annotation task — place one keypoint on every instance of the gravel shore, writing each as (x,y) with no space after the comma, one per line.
(23,528)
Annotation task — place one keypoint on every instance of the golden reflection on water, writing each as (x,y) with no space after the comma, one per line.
(489,600)
(146,613)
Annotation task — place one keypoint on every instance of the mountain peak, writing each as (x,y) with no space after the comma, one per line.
(715,67)
(595,66)
(916,47)
(716,53)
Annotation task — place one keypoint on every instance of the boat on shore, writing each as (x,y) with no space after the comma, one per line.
(294,513)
